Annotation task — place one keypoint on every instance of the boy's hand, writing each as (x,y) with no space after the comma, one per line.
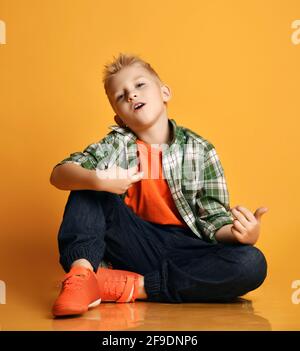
(117,179)
(246,226)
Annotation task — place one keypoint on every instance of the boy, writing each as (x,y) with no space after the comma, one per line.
(169,237)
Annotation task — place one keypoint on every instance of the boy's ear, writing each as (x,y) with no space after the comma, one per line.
(119,121)
(166,92)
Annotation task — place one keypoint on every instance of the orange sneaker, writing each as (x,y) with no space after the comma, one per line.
(79,292)
(117,285)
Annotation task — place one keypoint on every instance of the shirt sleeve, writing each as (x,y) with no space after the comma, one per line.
(213,197)
(93,156)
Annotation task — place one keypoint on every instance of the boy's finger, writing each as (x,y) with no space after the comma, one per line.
(247,213)
(133,170)
(137,177)
(239,215)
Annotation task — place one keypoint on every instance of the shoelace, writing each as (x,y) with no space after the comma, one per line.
(73,282)
(112,291)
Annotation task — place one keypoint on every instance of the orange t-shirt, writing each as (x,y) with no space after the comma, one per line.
(150,198)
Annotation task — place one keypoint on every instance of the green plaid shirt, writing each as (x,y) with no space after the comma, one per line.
(190,166)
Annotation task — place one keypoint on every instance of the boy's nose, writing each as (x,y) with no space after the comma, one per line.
(129,96)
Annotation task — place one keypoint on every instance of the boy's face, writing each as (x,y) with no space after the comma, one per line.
(135,84)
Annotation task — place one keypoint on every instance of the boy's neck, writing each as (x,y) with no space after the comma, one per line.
(159,133)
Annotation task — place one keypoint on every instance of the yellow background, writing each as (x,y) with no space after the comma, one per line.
(234,73)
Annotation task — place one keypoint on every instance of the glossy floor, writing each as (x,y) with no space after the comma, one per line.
(270,307)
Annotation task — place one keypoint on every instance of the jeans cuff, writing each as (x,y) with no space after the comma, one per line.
(152,284)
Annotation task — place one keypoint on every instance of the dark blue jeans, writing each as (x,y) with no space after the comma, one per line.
(176,265)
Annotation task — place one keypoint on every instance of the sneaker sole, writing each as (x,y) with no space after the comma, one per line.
(75,311)
(94,304)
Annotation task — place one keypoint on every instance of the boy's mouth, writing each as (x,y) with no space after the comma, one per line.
(138,106)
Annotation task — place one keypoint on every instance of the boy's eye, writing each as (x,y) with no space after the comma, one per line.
(139,84)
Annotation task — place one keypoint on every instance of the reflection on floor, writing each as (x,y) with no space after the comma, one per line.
(268,308)
(143,315)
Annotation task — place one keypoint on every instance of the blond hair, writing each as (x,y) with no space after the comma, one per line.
(124,60)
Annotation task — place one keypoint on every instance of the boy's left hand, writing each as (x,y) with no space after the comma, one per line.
(246,226)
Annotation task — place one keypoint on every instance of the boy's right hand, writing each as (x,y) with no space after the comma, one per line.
(117,179)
